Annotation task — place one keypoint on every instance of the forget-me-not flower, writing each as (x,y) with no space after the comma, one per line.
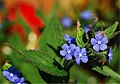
(86,15)
(10,76)
(80,55)
(66,22)
(70,40)
(110,54)
(68,51)
(99,42)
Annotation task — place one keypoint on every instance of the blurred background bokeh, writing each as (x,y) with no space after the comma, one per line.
(21,26)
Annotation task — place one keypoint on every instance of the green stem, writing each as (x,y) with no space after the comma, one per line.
(62,62)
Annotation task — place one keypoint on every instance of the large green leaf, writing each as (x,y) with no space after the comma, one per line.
(108,72)
(110,30)
(41,60)
(51,36)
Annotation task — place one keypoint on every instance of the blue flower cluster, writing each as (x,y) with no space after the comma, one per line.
(70,50)
(14,75)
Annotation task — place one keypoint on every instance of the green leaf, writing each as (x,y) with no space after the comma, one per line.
(41,60)
(79,38)
(24,24)
(52,35)
(108,72)
(110,30)
(41,15)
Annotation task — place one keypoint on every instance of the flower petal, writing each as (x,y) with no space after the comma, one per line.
(83,51)
(22,80)
(65,47)
(63,52)
(76,54)
(17,73)
(104,40)
(98,36)
(72,46)
(96,47)
(103,46)
(15,79)
(84,59)
(68,57)
(67,37)
(12,69)
(93,41)
(86,29)
(78,60)
(6,73)
(78,49)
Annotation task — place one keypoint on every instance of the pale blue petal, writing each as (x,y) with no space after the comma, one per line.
(6,73)
(78,60)
(63,52)
(93,41)
(68,57)
(84,59)
(76,54)
(104,40)
(83,51)
(67,37)
(15,79)
(86,29)
(103,46)
(72,46)
(78,48)
(22,80)
(96,47)
(98,36)
(65,47)
(110,50)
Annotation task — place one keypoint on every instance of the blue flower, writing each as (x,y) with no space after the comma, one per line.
(86,15)
(99,43)
(110,55)
(66,22)
(10,76)
(70,40)
(68,51)
(80,55)
(86,29)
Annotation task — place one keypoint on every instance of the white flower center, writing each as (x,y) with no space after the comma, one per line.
(80,54)
(99,42)
(109,54)
(11,74)
(18,83)
(68,51)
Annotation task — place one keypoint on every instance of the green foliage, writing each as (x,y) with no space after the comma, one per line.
(110,30)
(6,66)
(107,72)
(79,37)
(51,36)
(41,60)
